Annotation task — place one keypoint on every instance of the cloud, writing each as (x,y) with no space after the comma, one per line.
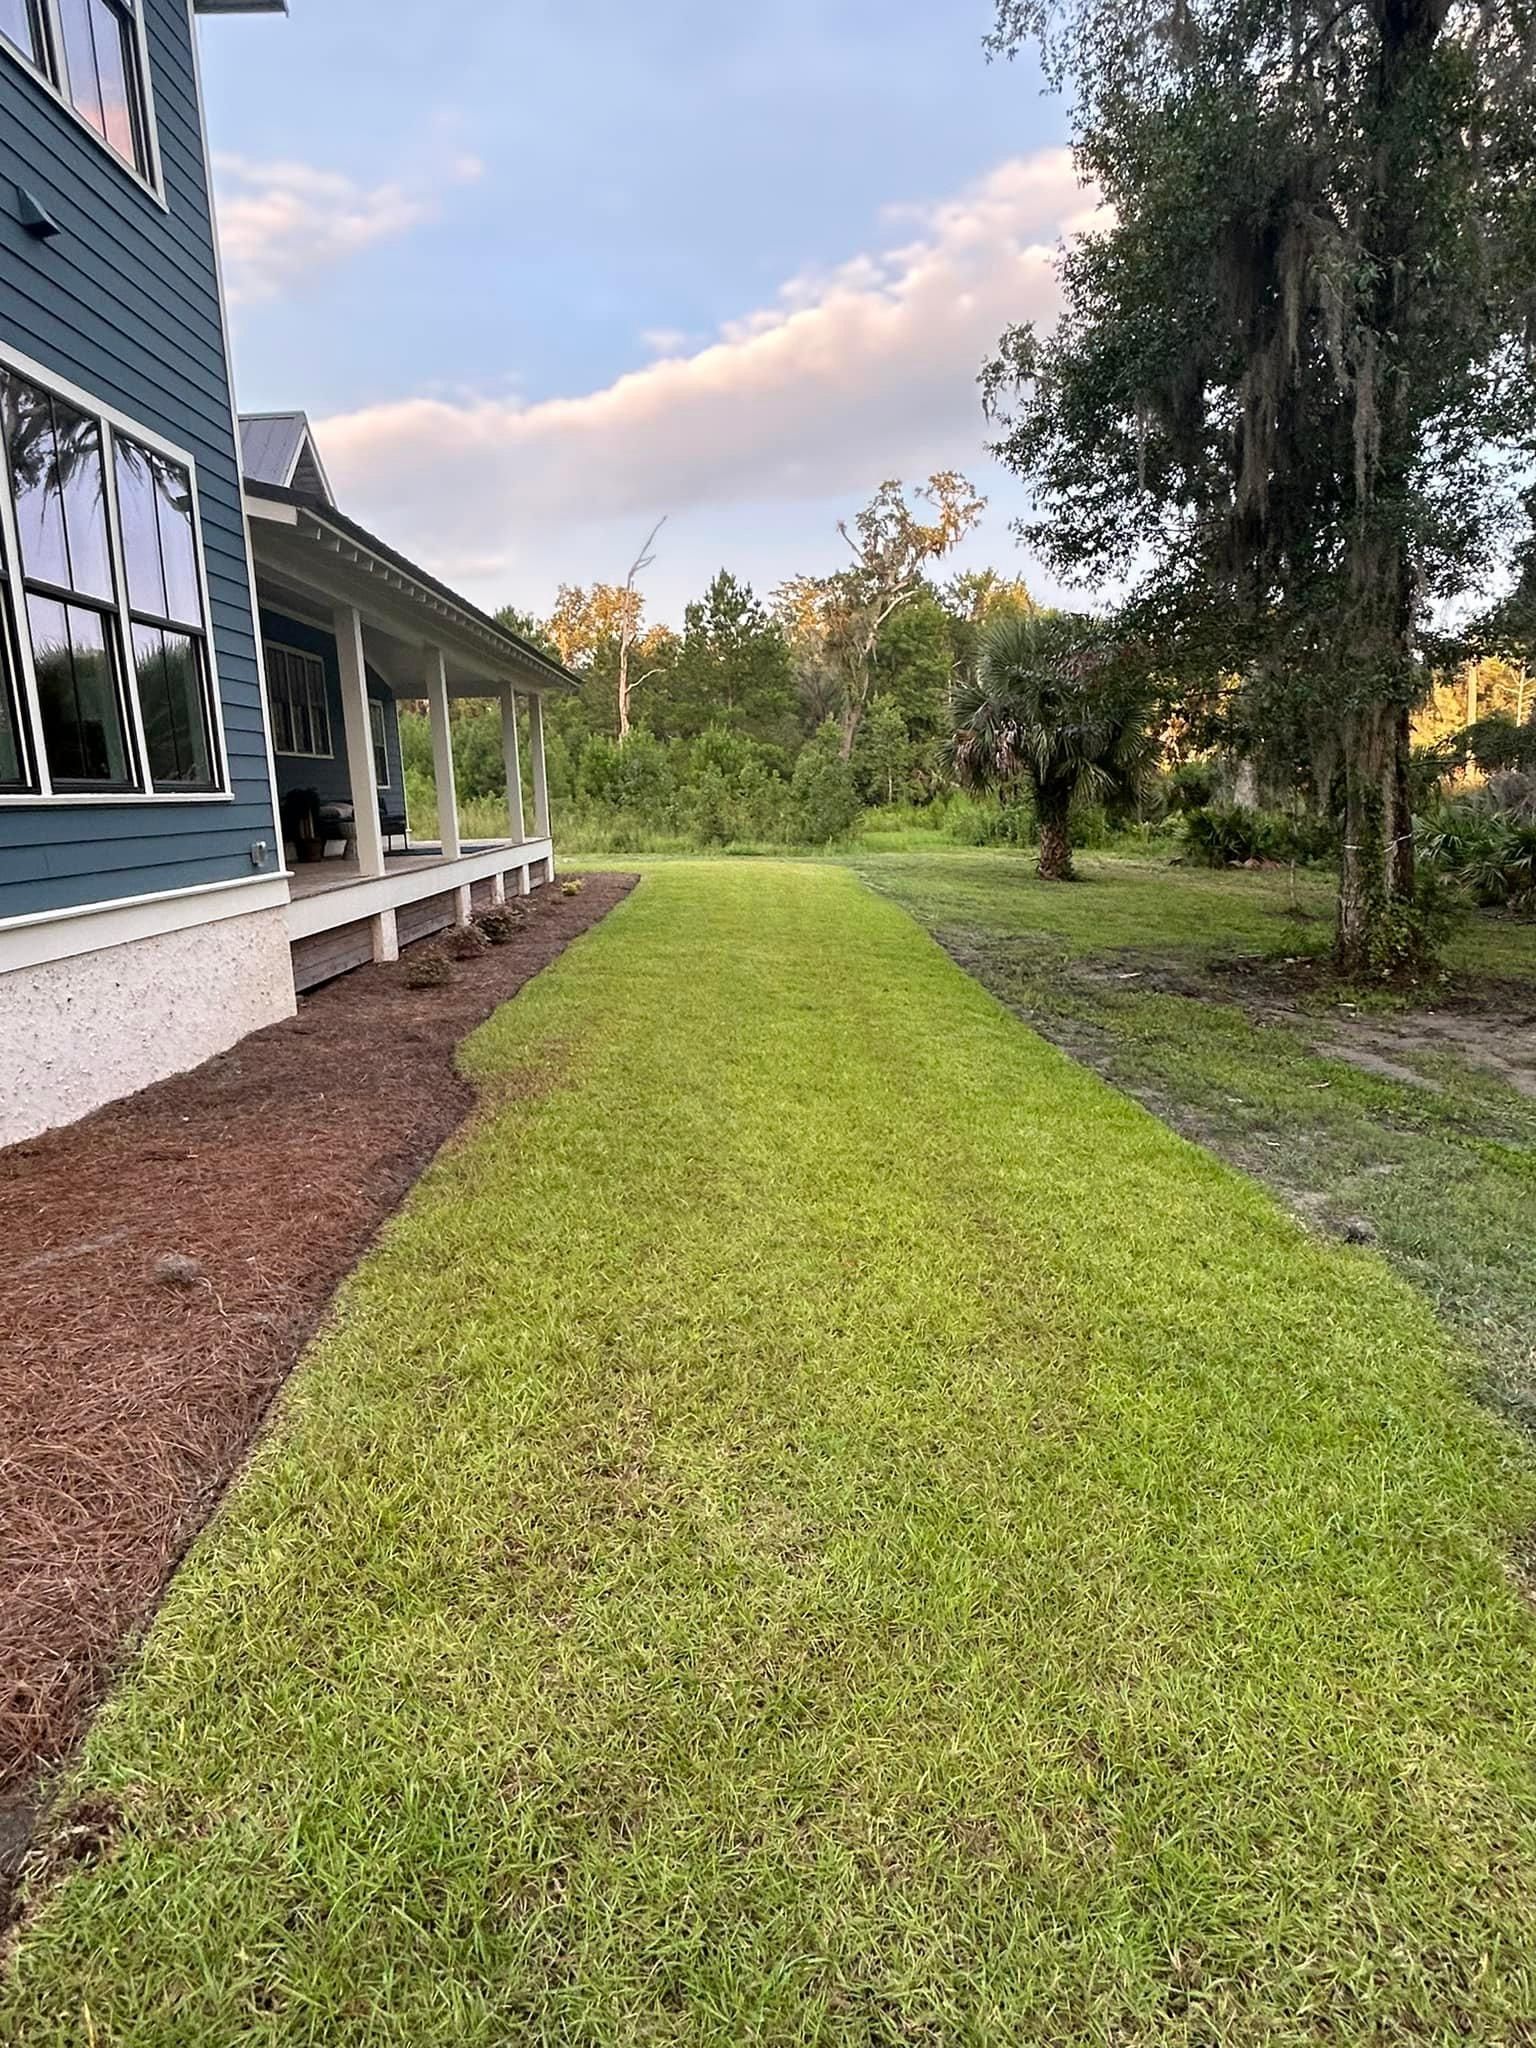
(864,371)
(281,222)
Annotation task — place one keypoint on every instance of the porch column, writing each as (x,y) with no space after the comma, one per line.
(442,754)
(359,736)
(512,754)
(540,774)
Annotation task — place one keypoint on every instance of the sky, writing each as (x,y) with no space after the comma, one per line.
(565,267)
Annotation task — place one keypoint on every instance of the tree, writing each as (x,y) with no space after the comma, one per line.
(970,599)
(528,628)
(629,624)
(1054,708)
(1289,394)
(596,632)
(840,618)
(882,759)
(732,668)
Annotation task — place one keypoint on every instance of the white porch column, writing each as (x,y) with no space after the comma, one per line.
(442,754)
(359,736)
(512,754)
(540,774)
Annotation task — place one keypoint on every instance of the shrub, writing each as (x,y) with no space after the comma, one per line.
(500,923)
(573,887)
(1227,835)
(825,801)
(1191,786)
(427,968)
(466,942)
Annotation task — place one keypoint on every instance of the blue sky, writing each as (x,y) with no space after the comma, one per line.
(552,271)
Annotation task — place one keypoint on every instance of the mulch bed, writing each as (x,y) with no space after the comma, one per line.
(165,1262)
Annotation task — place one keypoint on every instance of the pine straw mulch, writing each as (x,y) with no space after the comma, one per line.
(165,1262)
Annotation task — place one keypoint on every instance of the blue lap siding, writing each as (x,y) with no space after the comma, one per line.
(123,302)
(327,774)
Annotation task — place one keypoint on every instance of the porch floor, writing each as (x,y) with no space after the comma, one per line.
(315,878)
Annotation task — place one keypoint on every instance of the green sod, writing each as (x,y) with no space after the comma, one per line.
(822,1522)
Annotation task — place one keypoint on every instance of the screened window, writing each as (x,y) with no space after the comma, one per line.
(377,721)
(121,661)
(58,480)
(165,606)
(301,718)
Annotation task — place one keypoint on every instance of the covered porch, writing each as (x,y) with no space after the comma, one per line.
(351,630)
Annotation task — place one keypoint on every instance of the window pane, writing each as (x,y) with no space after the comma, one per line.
(178,541)
(12,773)
(56,466)
(101,59)
(169,670)
(82,715)
(380,743)
(141,529)
(83,482)
(39,508)
(18,25)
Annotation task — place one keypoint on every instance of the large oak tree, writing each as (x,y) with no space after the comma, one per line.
(1289,399)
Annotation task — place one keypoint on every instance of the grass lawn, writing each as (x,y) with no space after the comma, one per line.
(822,1522)
(1436,1159)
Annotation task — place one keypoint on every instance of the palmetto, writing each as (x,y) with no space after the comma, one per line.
(1054,708)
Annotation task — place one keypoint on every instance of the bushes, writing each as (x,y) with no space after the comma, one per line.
(1489,852)
(825,803)
(1229,835)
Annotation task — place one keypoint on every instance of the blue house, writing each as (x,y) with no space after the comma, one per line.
(201,656)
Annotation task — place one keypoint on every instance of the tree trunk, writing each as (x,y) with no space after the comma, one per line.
(1055,863)
(853,714)
(1368,866)
(1404,870)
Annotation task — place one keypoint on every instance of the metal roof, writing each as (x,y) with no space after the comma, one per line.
(278,448)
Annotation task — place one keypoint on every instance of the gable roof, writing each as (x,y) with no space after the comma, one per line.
(279,448)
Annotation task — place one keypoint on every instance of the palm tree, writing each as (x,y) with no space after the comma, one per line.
(1052,708)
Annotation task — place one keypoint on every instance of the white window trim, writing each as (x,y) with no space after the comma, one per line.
(377,709)
(272,645)
(150,181)
(113,423)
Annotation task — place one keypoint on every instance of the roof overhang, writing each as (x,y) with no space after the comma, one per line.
(240,6)
(321,561)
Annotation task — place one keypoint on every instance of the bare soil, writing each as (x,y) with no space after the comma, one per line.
(165,1262)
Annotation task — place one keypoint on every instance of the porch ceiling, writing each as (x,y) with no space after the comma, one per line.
(311,561)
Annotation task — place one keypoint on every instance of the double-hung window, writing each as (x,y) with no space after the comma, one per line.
(378,729)
(301,719)
(59,484)
(165,610)
(92,53)
(106,675)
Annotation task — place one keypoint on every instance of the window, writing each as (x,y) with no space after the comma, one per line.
(91,54)
(102,614)
(165,608)
(13,764)
(59,487)
(21,25)
(379,728)
(301,718)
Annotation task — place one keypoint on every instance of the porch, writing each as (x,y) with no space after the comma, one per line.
(351,631)
(340,917)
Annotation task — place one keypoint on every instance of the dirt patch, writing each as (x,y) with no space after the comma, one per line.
(166,1261)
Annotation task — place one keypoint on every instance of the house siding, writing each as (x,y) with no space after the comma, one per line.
(124,303)
(327,774)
